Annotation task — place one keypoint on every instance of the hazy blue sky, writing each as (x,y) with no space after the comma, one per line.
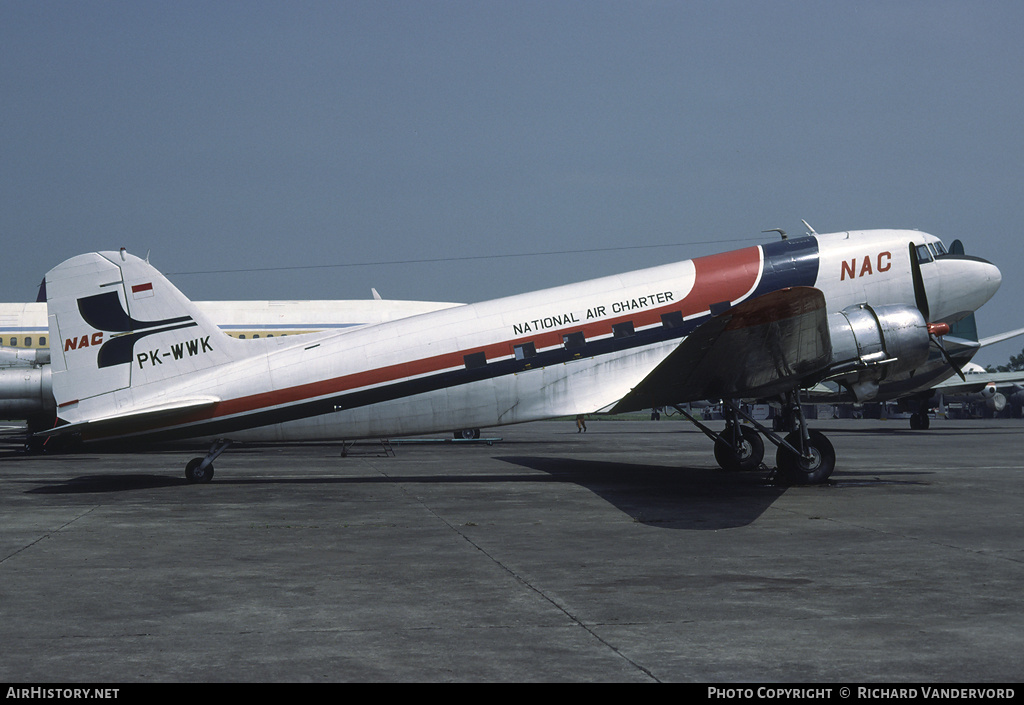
(226,136)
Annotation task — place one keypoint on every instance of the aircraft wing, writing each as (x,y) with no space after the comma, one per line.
(760,348)
(976,381)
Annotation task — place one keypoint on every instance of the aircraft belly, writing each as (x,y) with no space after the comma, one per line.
(580,386)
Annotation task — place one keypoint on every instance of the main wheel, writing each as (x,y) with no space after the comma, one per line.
(193,474)
(747,457)
(814,469)
(467,434)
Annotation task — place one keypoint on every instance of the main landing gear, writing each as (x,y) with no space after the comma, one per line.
(804,457)
(201,469)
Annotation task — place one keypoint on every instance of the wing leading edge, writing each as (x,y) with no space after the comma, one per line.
(759,348)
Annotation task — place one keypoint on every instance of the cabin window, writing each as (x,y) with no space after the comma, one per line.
(574,341)
(525,350)
(42,340)
(14,342)
(28,342)
(672,319)
(623,330)
(475,360)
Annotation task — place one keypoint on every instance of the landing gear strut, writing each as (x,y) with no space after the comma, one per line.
(201,469)
(919,420)
(738,447)
(812,464)
(804,457)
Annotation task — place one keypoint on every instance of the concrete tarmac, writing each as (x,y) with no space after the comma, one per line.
(623,554)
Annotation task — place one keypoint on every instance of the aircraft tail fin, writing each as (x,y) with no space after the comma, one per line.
(965,329)
(121,335)
(965,332)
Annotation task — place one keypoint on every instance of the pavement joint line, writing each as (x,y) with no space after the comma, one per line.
(48,534)
(522,581)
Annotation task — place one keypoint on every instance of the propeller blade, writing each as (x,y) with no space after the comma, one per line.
(920,295)
(935,330)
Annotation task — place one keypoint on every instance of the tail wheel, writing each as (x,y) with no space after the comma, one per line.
(811,470)
(194,474)
(746,456)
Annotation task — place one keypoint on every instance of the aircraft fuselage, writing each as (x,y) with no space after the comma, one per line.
(571,349)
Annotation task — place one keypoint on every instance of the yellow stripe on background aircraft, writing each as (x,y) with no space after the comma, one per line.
(134,361)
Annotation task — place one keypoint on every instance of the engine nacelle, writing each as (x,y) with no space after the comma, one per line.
(1016,402)
(24,357)
(25,392)
(871,343)
(996,403)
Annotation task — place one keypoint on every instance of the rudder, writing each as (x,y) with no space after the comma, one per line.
(118,325)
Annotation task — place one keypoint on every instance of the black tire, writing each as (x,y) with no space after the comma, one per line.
(467,434)
(751,451)
(796,470)
(192,473)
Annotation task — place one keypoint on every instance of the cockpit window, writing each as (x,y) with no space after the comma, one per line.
(940,248)
(923,254)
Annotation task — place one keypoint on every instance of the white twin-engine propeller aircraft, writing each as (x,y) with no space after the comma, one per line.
(134,360)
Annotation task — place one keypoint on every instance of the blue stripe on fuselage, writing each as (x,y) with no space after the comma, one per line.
(788,263)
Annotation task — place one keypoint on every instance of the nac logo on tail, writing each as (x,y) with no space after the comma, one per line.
(105,313)
(82,342)
(853,268)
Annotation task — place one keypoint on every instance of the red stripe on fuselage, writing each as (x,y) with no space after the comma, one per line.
(721,277)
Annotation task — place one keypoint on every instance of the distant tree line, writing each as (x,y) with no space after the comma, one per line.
(1016,364)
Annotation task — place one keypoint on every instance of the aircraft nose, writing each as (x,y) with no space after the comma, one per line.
(970,281)
(989,277)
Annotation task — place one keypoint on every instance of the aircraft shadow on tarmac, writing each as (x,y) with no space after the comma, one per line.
(677,498)
(86,484)
(706,499)
(668,497)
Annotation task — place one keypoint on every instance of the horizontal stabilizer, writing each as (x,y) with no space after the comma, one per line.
(760,348)
(135,421)
(1000,337)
